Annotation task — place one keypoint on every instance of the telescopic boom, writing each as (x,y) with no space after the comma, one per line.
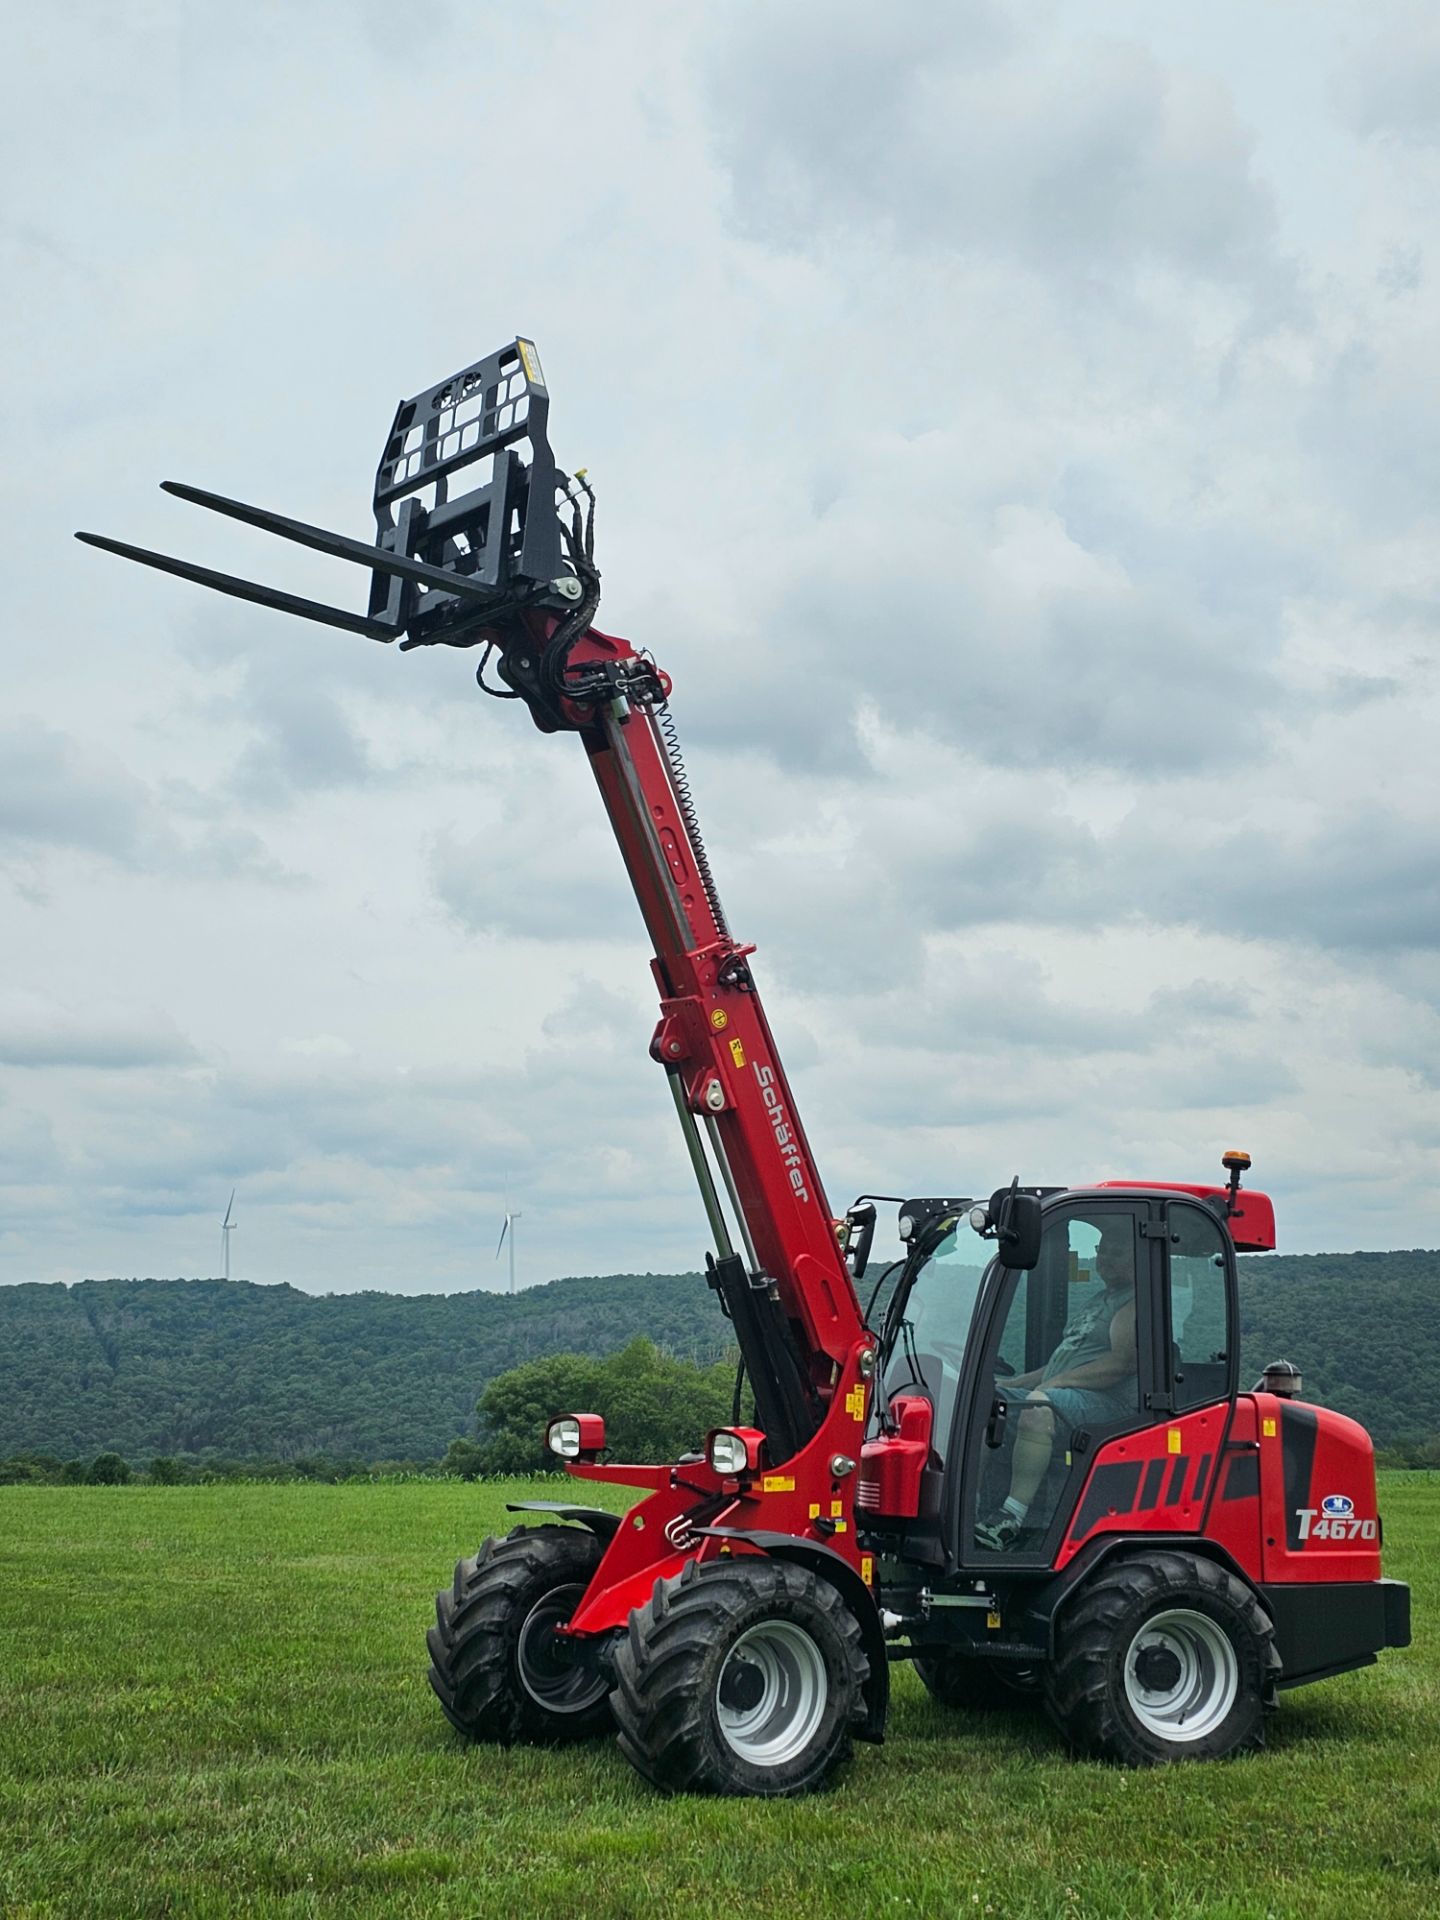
(507,565)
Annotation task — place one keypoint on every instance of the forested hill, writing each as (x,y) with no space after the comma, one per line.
(193,1366)
(1364,1328)
(197,1366)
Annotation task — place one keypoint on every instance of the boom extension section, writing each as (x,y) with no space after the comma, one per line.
(482,542)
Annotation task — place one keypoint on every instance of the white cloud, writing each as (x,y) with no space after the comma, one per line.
(1016,436)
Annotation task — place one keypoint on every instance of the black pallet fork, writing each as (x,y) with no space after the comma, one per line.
(444,571)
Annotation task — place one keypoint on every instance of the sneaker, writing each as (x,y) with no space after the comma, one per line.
(998,1533)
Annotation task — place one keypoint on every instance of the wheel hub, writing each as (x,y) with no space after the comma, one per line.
(742,1685)
(1158,1668)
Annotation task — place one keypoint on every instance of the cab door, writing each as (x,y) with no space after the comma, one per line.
(1072,1357)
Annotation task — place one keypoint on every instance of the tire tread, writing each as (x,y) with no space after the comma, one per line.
(661,1700)
(471,1646)
(1081,1691)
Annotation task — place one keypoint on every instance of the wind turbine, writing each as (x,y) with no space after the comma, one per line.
(509,1227)
(227,1227)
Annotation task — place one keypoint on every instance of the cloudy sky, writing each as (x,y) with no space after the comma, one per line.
(1017,432)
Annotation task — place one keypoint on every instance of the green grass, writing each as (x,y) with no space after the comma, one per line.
(212,1702)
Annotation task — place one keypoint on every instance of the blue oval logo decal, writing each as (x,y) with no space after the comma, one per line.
(1338,1505)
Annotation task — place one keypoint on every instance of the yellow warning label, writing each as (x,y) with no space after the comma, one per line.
(867,1569)
(992,1620)
(814,1509)
(737,1051)
(837,1507)
(1173,1440)
(855,1402)
(778,1483)
(719,1019)
(842,1526)
(530,360)
(1267,1427)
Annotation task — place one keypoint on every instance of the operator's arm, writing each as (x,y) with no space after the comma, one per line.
(1110,1368)
(1031,1379)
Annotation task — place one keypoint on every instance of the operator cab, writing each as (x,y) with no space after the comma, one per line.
(1010,1379)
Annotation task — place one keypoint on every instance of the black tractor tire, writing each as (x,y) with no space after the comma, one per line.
(958,1679)
(496,1666)
(1163,1656)
(740,1676)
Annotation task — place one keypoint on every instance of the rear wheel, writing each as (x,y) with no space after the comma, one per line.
(742,1676)
(498,1667)
(1166,1657)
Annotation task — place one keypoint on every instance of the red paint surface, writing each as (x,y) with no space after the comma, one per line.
(1166,1499)
(891,1466)
(1252,1224)
(1342,1468)
(804,1497)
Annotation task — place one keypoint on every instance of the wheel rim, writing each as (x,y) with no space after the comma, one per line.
(771,1694)
(1181,1675)
(547,1666)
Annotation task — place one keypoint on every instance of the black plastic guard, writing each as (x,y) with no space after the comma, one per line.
(1326,1627)
(1395,1598)
(595,1518)
(828,1564)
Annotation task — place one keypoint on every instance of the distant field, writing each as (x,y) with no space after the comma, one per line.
(212,1702)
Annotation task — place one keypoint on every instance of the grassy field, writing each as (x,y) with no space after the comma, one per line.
(212,1702)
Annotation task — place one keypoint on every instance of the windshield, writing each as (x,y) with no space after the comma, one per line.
(926,1347)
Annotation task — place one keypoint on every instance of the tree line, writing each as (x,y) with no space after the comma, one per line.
(213,1374)
(655,1406)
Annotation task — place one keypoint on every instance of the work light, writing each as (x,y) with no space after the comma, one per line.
(727,1453)
(576,1435)
(734,1451)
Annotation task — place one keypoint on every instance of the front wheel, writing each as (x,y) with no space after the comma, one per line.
(740,1676)
(498,1667)
(1163,1657)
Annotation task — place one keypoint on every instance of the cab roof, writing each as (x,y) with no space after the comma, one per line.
(1251,1225)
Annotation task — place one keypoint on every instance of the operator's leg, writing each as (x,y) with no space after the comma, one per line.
(1034,1444)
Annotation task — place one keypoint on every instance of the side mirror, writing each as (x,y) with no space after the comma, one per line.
(1016,1218)
(859,1237)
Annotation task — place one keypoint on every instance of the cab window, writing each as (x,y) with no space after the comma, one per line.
(1199,1316)
(928,1348)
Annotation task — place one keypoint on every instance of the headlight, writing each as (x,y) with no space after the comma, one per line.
(730,1453)
(907,1226)
(979,1218)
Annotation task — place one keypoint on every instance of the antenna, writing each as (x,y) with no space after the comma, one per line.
(227,1227)
(509,1228)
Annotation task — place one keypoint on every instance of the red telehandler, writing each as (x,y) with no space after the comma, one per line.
(1028,1465)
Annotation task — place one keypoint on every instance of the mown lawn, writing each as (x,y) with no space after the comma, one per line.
(212,1702)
